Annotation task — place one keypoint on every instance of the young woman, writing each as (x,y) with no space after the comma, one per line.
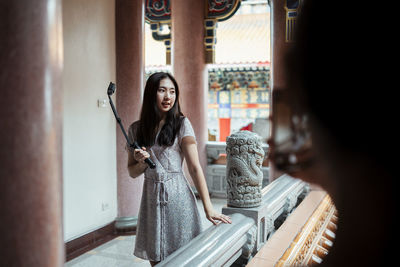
(168,216)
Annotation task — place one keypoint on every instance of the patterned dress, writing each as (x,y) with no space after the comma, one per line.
(168,215)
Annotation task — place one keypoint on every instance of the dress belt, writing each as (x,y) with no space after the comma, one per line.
(161,191)
(162,194)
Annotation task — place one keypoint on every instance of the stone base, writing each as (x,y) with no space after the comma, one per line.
(258,214)
(126,224)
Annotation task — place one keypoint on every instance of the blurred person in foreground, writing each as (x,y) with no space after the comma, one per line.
(340,78)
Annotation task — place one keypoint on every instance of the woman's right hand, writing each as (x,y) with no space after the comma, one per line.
(140,155)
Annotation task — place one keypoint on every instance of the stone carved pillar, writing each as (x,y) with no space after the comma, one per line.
(243,169)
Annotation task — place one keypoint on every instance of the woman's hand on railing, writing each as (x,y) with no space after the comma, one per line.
(213,217)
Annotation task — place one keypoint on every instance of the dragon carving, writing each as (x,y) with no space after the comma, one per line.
(243,171)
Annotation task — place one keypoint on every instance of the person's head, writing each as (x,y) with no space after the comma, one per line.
(166,96)
(339,73)
(160,102)
(161,96)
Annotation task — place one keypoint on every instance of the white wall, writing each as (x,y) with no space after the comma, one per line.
(89,145)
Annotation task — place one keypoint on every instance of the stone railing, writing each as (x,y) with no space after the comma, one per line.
(227,244)
(210,247)
(279,199)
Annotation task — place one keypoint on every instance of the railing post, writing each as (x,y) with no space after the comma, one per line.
(279,198)
(244,156)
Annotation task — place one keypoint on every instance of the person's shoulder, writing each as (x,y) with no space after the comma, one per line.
(185,122)
(186,127)
(184,119)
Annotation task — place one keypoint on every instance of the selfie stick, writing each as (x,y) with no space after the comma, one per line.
(110,91)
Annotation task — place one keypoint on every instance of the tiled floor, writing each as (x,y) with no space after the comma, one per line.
(119,251)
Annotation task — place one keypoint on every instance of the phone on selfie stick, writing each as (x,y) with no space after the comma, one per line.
(110,91)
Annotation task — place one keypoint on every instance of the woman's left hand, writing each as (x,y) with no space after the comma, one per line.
(213,217)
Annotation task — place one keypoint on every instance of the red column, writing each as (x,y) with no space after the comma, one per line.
(279,45)
(279,48)
(30,133)
(189,68)
(129,92)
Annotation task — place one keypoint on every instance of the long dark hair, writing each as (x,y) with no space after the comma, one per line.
(150,116)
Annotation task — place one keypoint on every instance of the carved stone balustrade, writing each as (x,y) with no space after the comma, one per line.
(218,245)
(279,199)
(225,244)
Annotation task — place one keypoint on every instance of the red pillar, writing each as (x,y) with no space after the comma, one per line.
(189,68)
(279,45)
(279,48)
(30,133)
(129,92)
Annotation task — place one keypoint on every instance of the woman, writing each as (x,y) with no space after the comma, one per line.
(168,216)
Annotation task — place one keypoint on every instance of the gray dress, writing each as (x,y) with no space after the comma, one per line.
(168,215)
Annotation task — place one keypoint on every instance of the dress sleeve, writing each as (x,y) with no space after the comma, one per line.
(186,130)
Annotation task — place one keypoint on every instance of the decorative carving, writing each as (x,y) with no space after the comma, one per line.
(210,39)
(290,202)
(269,226)
(248,248)
(240,77)
(158,15)
(243,171)
(217,10)
(158,10)
(306,245)
(292,9)
(222,9)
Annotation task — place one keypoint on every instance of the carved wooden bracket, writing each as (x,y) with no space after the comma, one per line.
(292,8)
(217,10)
(158,15)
